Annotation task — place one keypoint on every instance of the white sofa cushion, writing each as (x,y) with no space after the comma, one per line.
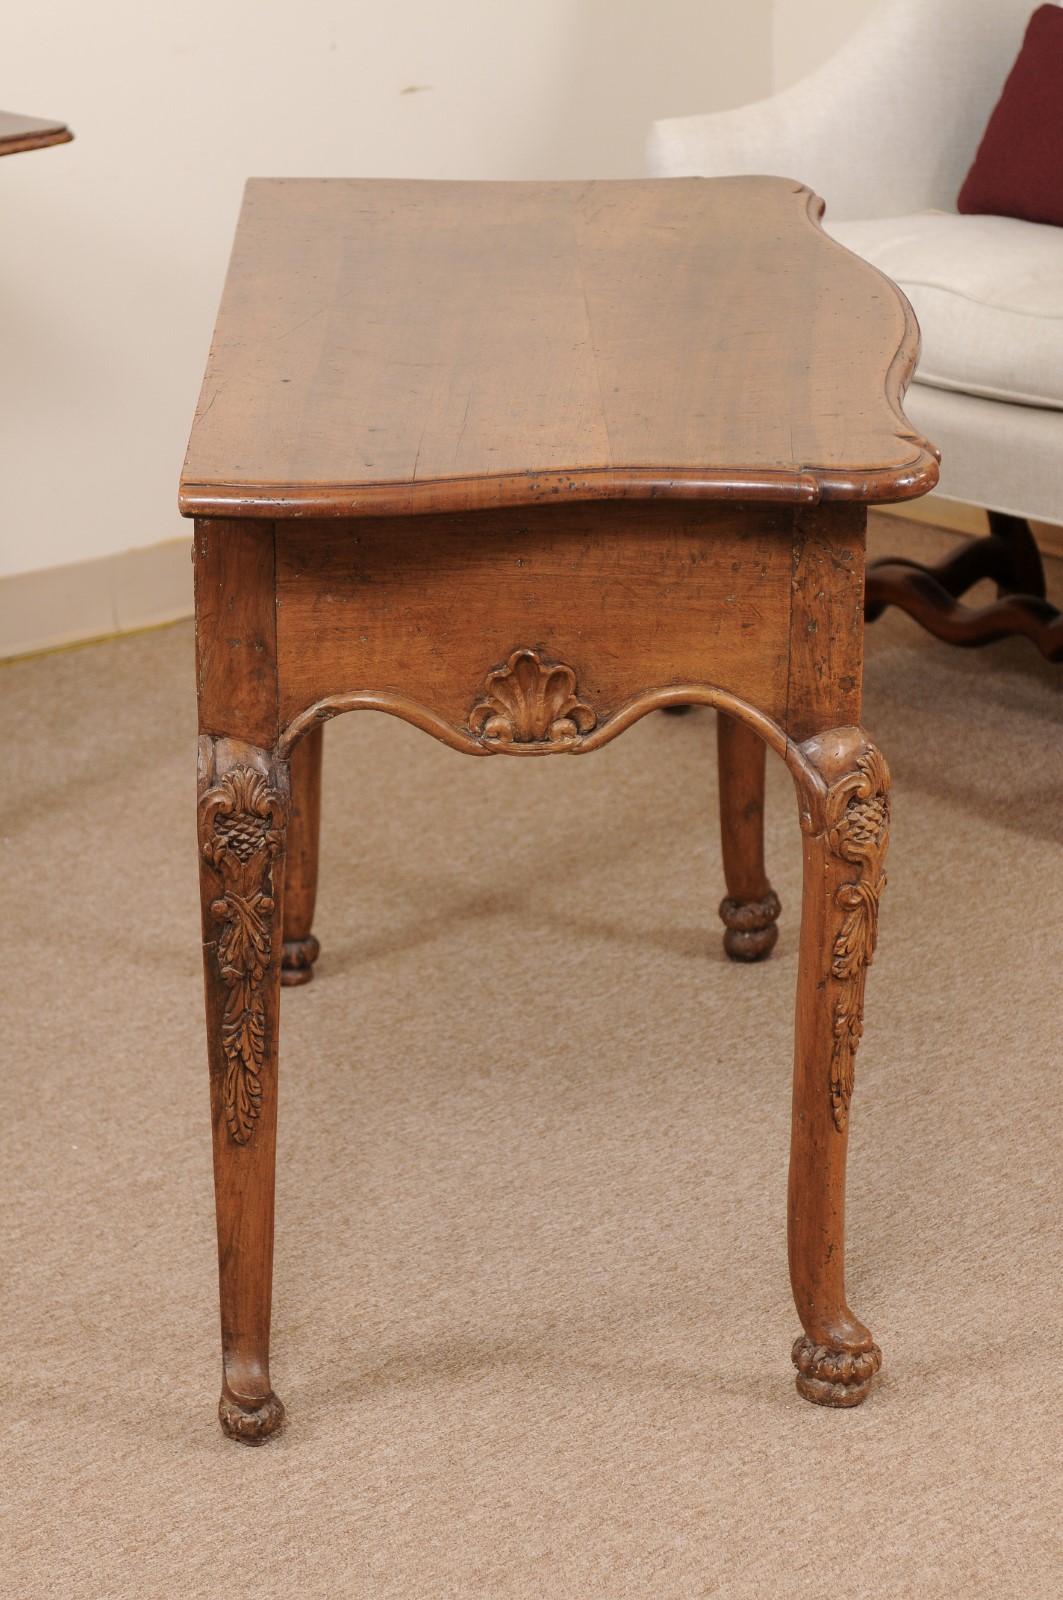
(988,292)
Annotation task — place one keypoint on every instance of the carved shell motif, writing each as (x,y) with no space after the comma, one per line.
(240,821)
(531,701)
(858,818)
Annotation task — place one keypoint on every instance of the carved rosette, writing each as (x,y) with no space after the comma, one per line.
(531,702)
(241,832)
(858,818)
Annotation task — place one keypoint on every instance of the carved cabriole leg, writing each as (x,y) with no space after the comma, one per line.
(243,810)
(751,906)
(845,817)
(301,949)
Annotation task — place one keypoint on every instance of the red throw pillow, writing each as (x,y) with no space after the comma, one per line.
(1018,171)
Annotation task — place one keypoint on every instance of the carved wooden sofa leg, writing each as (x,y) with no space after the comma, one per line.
(1025,571)
(1007,554)
(751,906)
(844,802)
(243,814)
(301,949)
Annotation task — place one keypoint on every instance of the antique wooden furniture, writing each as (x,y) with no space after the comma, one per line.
(913,89)
(29,133)
(520,463)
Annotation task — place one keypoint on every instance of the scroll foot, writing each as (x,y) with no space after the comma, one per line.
(834,1377)
(247,1422)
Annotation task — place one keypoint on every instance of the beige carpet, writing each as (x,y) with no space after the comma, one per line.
(532,1318)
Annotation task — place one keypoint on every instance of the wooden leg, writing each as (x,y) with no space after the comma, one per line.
(243,809)
(301,949)
(1008,555)
(1025,570)
(751,906)
(845,844)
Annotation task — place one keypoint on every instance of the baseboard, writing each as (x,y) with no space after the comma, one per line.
(95,599)
(959,518)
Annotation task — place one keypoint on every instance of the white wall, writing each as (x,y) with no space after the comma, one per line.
(805,31)
(115,246)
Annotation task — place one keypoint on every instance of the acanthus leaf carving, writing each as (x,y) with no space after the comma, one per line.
(531,701)
(241,827)
(858,818)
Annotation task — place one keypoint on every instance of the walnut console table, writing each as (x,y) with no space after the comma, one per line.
(520,463)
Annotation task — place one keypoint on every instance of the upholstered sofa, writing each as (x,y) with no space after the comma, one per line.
(885,130)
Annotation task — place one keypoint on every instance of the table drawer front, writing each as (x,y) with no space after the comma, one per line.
(627,598)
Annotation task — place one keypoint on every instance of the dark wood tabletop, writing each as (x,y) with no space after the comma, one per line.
(390,347)
(29,133)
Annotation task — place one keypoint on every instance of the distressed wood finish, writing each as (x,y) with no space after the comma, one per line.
(236,631)
(29,133)
(301,949)
(449,598)
(825,652)
(521,464)
(750,908)
(386,348)
(846,830)
(243,812)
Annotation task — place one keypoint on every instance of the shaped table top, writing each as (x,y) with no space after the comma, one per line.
(391,347)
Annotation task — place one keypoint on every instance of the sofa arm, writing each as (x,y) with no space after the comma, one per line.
(790,135)
(886,126)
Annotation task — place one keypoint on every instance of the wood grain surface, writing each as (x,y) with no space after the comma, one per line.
(29,133)
(519,464)
(627,596)
(386,348)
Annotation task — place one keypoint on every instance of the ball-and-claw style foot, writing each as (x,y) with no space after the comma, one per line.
(297,965)
(750,924)
(834,1377)
(250,1426)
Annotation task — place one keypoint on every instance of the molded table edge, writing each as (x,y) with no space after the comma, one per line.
(807,485)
